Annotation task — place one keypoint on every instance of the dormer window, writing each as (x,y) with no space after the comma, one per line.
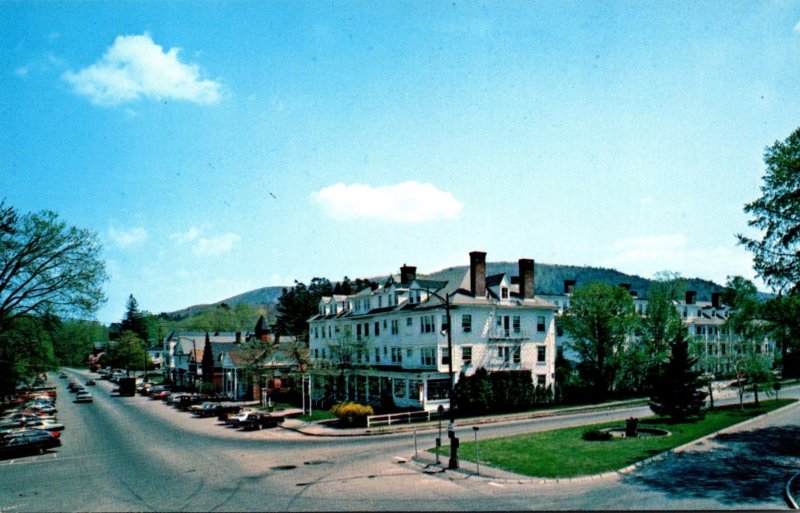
(504,292)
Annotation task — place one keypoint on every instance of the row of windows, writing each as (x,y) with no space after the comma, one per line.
(427,355)
(427,324)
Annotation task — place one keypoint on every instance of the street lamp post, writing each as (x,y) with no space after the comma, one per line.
(451,426)
(477,454)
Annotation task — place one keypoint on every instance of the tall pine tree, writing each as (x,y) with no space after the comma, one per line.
(208,361)
(678,394)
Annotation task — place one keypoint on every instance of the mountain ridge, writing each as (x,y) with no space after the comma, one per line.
(548,280)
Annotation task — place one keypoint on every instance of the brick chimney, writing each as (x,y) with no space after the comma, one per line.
(716,299)
(526,267)
(691,297)
(477,273)
(408,273)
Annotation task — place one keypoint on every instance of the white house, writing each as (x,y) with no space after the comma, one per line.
(395,337)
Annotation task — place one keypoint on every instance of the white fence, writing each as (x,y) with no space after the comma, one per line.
(398,418)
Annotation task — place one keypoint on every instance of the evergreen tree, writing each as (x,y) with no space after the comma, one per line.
(678,394)
(134,320)
(208,361)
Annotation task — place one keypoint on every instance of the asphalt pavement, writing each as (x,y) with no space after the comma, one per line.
(135,454)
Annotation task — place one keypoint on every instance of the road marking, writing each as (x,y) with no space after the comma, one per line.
(492,483)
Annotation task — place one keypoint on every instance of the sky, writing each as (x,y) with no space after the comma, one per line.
(218,147)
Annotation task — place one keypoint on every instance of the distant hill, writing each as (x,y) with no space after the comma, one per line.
(548,278)
(266,296)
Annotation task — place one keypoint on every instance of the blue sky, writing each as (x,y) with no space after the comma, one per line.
(217,147)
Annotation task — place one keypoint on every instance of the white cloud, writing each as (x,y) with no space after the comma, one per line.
(797,27)
(129,237)
(213,246)
(407,202)
(648,255)
(190,235)
(135,67)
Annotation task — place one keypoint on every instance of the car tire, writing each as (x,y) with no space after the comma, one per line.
(41,450)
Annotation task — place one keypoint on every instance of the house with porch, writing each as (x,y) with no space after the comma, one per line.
(394,342)
(262,372)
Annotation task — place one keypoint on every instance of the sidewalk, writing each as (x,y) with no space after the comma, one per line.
(322,429)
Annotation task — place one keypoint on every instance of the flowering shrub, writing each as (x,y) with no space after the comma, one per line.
(352,414)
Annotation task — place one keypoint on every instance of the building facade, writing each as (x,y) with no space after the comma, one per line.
(391,342)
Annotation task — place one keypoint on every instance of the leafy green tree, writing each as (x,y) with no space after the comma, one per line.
(783,315)
(47,267)
(777,214)
(678,392)
(26,349)
(127,353)
(600,320)
(747,358)
(73,340)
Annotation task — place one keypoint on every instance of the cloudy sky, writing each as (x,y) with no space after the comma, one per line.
(217,147)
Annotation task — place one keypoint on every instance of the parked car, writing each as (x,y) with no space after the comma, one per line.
(209,409)
(161,395)
(45,424)
(28,444)
(62,375)
(90,383)
(242,416)
(28,432)
(84,397)
(156,388)
(261,420)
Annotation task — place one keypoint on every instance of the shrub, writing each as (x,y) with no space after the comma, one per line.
(596,435)
(352,414)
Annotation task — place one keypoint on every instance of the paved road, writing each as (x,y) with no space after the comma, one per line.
(124,454)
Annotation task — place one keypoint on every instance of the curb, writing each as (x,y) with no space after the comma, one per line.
(429,426)
(788,492)
(630,468)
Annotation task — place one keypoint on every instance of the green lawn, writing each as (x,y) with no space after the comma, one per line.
(564,453)
(317,415)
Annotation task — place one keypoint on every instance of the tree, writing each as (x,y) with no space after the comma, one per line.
(748,359)
(127,353)
(777,214)
(599,321)
(208,361)
(47,267)
(134,320)
(678,392)
(26,349)
(783,315)
(73,340)
(253,353)
(298,304)
(346,353)
(661,323)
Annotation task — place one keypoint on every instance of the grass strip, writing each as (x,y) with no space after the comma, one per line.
(563,453)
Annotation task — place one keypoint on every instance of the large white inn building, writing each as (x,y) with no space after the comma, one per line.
(397,335)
